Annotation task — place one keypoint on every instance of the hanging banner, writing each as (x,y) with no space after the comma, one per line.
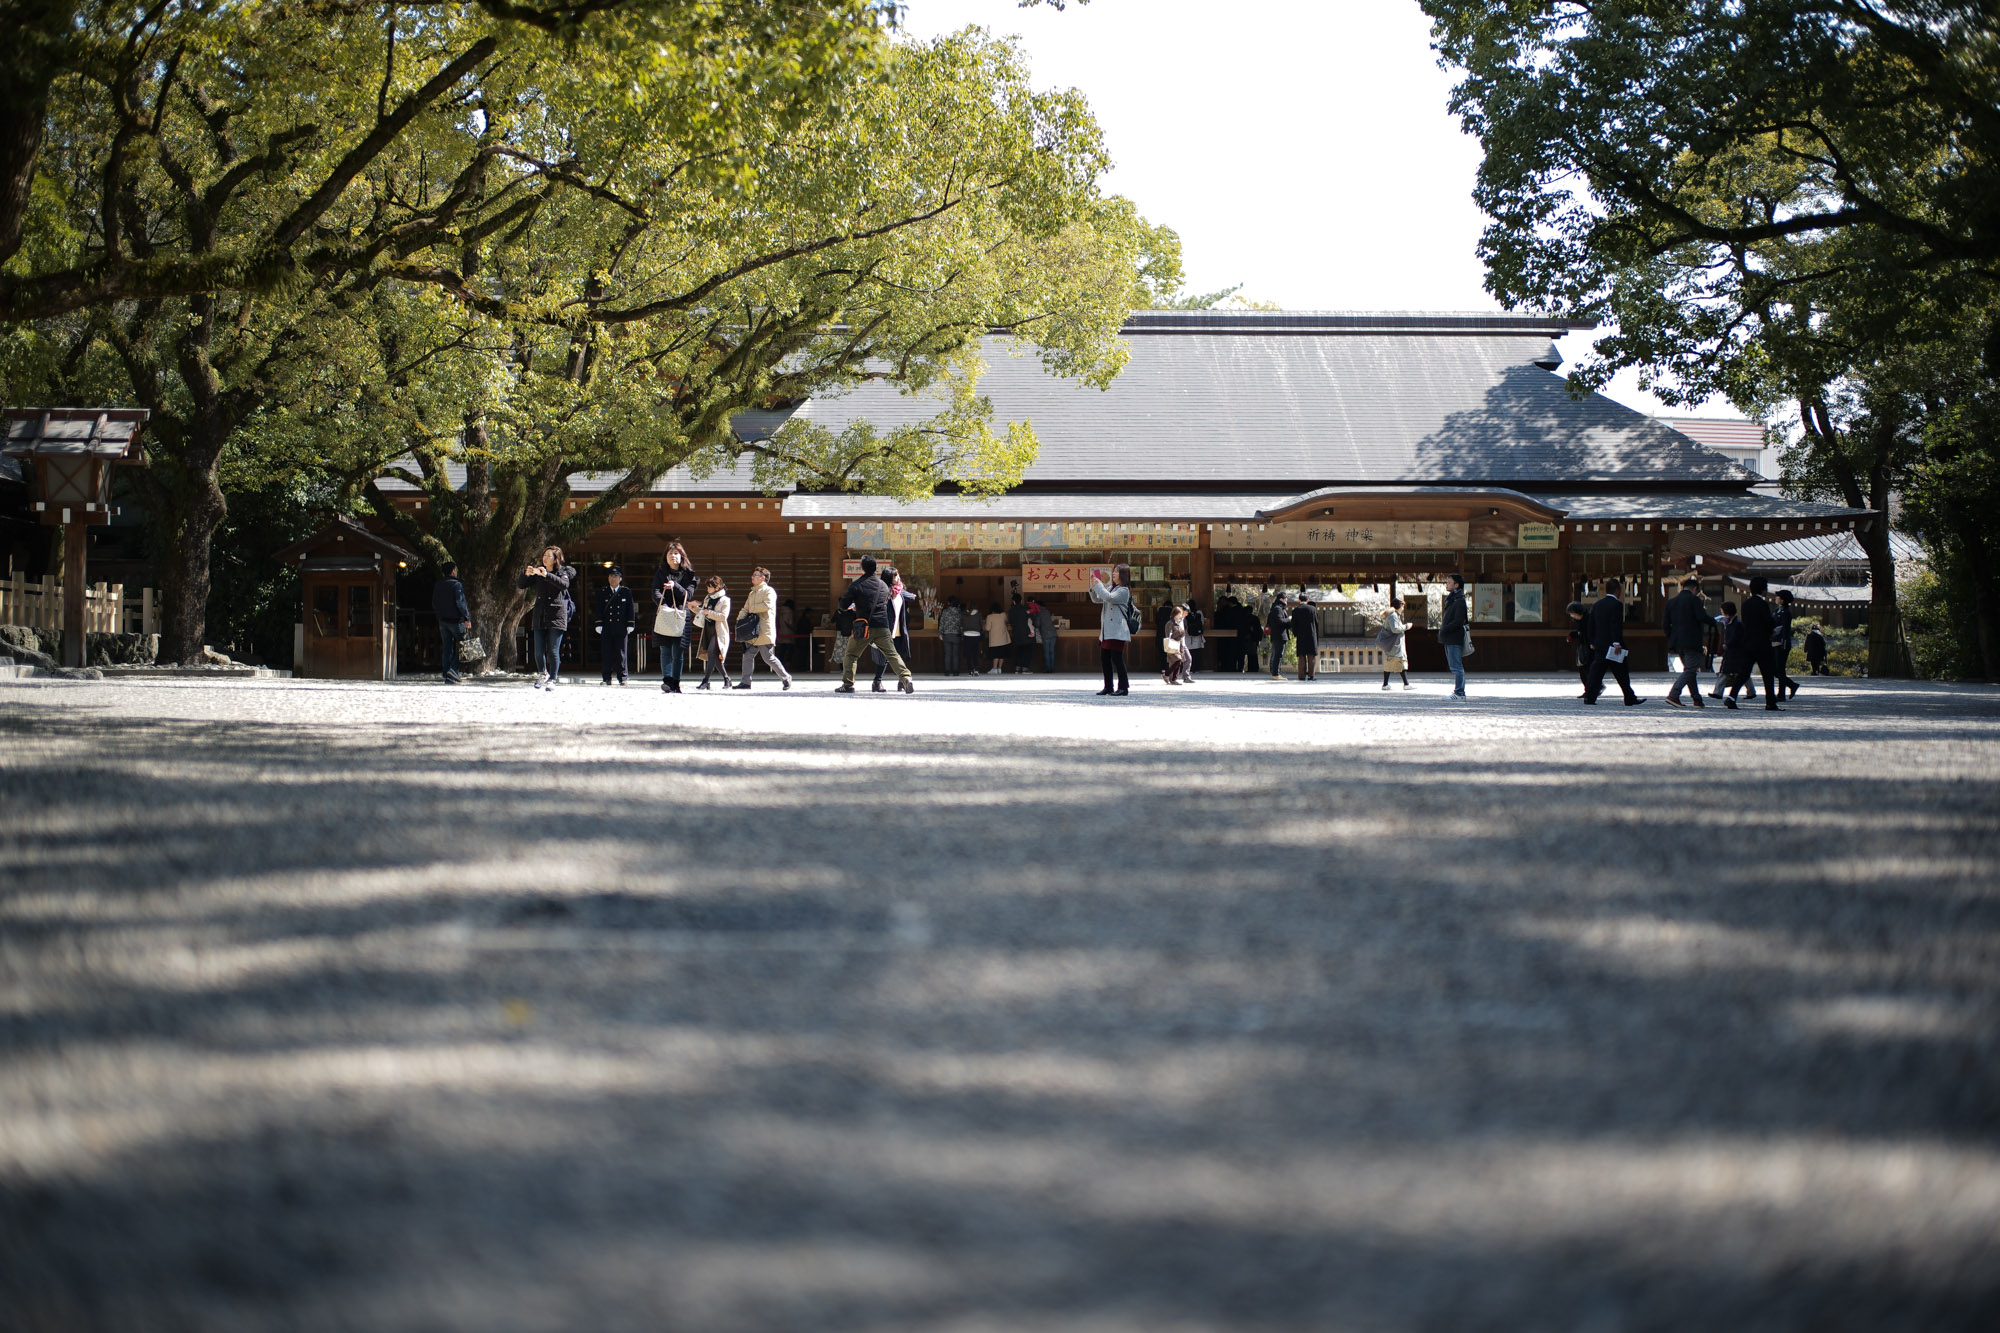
(896,536)
(1333,535)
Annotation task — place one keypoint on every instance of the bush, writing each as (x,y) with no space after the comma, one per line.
(1937,618)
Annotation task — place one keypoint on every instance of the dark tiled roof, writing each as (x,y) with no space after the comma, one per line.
(1585,506)
(1840,546)
(1035,507)
(1294,401)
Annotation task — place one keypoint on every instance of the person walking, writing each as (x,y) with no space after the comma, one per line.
(714,617)
(1044,622)
(1579,638)
(863,619)
(549,619)
(1685,623)
(757,639)
(617,617)
(1305,634)
(998,639)
(1607,645)
(1737,659)
(1816,653)
(673,590)
(1454,631)
(1721,640)
(1781,645)
(1114,633)
(1392,638)
(951,626)
(1173,648)
(1278,629)
(454,621)
(1022,631)
(902,608)
(1197,637)
(1759,634)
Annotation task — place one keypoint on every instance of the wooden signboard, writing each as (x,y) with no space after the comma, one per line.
(1339,535)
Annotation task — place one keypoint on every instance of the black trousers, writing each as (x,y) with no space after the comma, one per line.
(1277,653)
(1113,660)
(1766,664)
(612,648)
(1593,684)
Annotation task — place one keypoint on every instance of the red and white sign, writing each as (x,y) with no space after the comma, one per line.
(1060,580)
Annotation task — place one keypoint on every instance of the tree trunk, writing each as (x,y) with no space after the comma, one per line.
(496,608)
(1887,655)
(196,511)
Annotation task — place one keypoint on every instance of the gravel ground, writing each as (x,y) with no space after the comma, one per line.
(1244,1006)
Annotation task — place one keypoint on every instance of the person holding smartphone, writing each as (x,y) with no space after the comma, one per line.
(1115,627)
(549,618)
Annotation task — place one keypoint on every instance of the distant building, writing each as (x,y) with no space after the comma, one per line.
(1742,442)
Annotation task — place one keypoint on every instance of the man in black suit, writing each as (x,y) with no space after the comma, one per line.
(1759,629)
(1607,637)
(1686,624)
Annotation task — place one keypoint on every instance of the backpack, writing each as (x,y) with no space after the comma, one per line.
(1384,639)
(1132,619)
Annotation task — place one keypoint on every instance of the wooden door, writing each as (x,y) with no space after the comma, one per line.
(344,627)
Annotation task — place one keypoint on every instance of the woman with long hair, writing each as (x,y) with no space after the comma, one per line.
(714,630)
(673,590)
(1115,630)
(549,581)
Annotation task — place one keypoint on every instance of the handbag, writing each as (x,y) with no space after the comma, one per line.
(471,650)
(670,623)
(1469,649)
(748,625)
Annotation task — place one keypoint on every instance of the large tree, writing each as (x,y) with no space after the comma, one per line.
(939,200)
(201,188)
(1755,192)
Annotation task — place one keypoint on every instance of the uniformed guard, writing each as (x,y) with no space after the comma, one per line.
(616,619)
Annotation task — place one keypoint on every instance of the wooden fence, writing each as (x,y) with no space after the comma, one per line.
(38,604)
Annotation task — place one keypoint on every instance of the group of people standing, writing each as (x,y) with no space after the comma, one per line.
(876,615)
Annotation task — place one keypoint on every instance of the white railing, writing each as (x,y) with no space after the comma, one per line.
(38,604)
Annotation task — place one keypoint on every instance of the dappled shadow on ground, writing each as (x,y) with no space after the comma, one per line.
(424,1028)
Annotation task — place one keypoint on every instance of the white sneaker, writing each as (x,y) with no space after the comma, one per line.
(541,681)
(1385,684)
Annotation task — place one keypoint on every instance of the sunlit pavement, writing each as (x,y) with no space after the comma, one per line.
(1234,1006)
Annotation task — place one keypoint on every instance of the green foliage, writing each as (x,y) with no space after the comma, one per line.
(1943,636)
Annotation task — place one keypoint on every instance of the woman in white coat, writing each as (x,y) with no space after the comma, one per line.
(714,631)
(763,604)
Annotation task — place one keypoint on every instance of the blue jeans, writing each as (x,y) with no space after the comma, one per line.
(1454,657)
(453,635)
(1049,651)
(673,655)
(546,651)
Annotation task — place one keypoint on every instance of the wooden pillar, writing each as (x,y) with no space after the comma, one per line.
(836,556)
(1202,569)
(75,539)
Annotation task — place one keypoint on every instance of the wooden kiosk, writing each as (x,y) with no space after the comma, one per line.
(348,575)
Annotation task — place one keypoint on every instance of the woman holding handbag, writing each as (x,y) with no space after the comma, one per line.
(1173,647)
(758,630)
(714,631)
(673,591)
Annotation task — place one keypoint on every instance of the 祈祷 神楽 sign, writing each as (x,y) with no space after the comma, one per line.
(1336,535)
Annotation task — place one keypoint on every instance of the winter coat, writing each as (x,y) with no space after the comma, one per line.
(681,581)
(616,610)
(1737,653)
(1453,622)
(1305,627)
(448,600)
(762,602)
(1045,624)
(1112,627)
(949,620)
(1755,617)
(1815,646)
(1607,622)
(551,589)
(1781,628)
(867,598)
(1686,624)
(996,631)
(715,624)
(1395,649)
(1017,623)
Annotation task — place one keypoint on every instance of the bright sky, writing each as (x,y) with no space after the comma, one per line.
(1301,148)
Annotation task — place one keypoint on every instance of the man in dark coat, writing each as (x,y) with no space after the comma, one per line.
(863,619)
(1781,645)
(1607,643)
(454,621)
(1816,652)
(1019,628)
(1758,632)
(617,617)
(1686,624)
(1454,625)
(1278,628)
(1305,633)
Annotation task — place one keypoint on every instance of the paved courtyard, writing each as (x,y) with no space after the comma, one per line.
(1245,1006)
